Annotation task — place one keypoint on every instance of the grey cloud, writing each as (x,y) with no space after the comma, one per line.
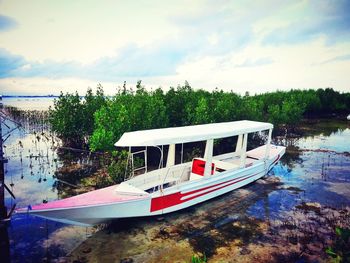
(7,23)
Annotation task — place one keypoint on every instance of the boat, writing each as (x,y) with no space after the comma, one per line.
(175,185)
(348,118)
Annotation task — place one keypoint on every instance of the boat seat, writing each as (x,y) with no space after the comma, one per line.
(198,166)
(217,167)
(225,165)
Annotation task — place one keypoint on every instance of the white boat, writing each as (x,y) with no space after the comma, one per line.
(176,185)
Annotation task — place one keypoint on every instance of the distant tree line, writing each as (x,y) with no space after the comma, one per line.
(99,121)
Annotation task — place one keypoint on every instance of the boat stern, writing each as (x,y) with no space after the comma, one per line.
(276,153)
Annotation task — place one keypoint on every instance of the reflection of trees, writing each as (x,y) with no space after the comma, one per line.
(324,127)
(63,190)
(292,155)
(310,129)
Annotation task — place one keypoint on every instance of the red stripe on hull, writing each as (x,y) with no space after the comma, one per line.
(274,162)
(162,202)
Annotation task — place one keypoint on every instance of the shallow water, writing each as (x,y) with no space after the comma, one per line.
(245,223)
(29,173)
(29,103)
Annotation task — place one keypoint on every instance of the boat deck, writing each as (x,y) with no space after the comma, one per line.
(259,152)
(106,195)
(252,157)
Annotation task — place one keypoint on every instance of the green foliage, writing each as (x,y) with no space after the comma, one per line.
(194,153)
(67,119)
(198,259)
(117,168)
(91,104)
(128,111)
(292,111)
(102,121)
(201,112)
(340,251)
(72,118)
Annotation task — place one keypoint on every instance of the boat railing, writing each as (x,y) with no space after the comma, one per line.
(173,174)
(170,169)
(144,167)
(182,174)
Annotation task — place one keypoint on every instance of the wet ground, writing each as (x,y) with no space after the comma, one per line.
(290,215)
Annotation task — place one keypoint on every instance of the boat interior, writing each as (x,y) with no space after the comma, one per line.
(196,169)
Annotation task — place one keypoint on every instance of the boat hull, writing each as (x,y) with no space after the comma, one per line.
(175,201)
(92,215)
(161,202)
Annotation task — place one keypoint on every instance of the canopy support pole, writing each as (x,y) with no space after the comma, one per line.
(208,156)
(182,152)
(239,145)
(171,156)
(127,164)
(146,160)
(267,151)
(162,149)
(243,150)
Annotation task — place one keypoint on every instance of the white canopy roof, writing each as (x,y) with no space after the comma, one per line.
(193,133)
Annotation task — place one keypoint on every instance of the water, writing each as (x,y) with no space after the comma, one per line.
(29,173)
(29,103)
(294,209)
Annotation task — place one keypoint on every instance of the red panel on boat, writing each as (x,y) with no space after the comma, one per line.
(198,167)
(159,203)
(165,201)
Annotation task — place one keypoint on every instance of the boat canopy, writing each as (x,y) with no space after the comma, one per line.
(185,134)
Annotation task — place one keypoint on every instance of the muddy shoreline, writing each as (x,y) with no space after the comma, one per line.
(222,230)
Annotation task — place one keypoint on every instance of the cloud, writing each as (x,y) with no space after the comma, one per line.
(45,86)
(7,23)
(310,20)
(153,60)
(9,63)
(255,63)
(291,68)
(227,44)
(220,27)
(132,61)
(14,65)
(337,58)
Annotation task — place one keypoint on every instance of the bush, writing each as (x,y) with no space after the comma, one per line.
(72,118)
(66,119)
(128,111)
(102,121)
(117,170)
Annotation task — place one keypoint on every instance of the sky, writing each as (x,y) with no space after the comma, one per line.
(49,46)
